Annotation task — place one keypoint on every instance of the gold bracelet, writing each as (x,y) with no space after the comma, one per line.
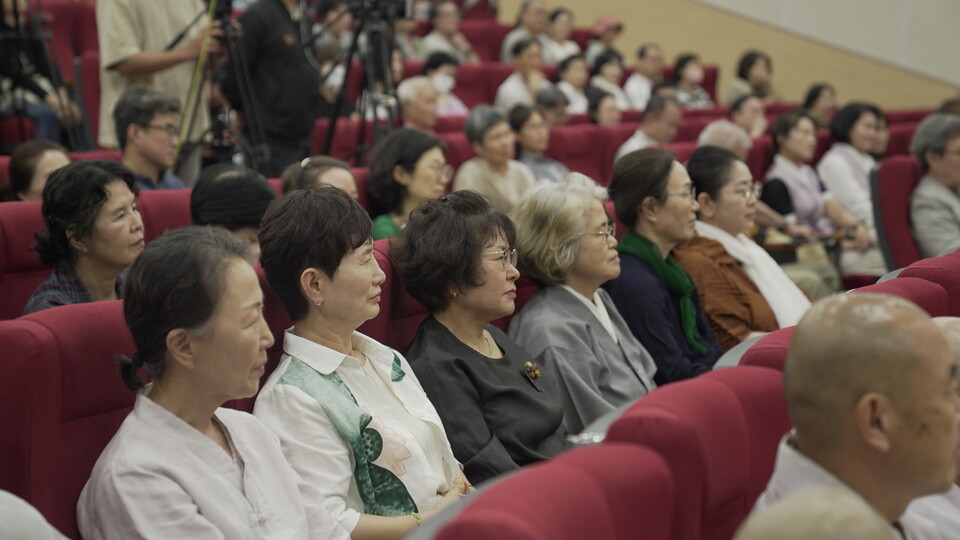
(417,517)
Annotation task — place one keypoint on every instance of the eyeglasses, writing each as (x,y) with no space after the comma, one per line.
(506,256)
(170,129)
(689,196)
(444,171)
(755,190)
(608,232)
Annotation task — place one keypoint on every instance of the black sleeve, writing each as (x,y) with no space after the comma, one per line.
(777,196)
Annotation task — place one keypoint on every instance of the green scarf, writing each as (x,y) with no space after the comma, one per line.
(670,273)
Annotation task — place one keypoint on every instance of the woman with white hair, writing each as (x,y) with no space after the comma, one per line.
(566,241)
(935,203)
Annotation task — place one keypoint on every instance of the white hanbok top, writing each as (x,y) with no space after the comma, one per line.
(161,478)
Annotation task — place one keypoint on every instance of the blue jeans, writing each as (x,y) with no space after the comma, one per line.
(45,122)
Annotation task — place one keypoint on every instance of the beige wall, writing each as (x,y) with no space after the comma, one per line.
(720,37)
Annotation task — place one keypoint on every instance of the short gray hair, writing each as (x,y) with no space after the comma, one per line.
(725,134)
(407,91)
(932,135)
(482,118)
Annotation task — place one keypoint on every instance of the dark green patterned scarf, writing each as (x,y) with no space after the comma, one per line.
(670,273)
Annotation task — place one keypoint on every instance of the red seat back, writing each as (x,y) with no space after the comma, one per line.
(164,209)
(450,124)
(20,268)
(900,137)
(486,37)
(682,150)
(690,128)
(458,149)
(824,142)
(891,185)
(759,159)
(770,351)
(930,296)
(61,401)
(87,69)
(943,270)
(11,134)
(4,171)
(719,434)
(603,492)
(472,85)
(908,115)
(576,147)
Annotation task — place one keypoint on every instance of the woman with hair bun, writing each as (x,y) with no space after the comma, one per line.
(180,466)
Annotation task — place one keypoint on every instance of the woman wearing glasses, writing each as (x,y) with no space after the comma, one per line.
(653,196)
(743,290)
(567,242)
(456,257)
(408,168)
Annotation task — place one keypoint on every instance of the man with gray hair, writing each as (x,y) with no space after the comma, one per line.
(647,71)
(871,388)
(935,203)
(494,173)
(531,23)
(726,134)
(147,122)
(419,99)
(658,125)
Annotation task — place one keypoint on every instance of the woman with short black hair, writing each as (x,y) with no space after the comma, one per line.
(93,232)
(456,257)
(688,75)
(533,139)
(233,197)
(181,466)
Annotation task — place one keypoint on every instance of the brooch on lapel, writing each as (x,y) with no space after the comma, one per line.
(532,373)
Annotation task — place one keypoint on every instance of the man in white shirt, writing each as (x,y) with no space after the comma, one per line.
(871,387)
(531,23)
(658,125)
(522,86)
(648,71)
(446,35)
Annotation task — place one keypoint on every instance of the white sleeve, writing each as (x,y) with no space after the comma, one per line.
(845,189)
(313,447)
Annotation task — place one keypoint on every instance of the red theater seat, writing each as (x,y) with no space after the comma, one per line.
(459,148)
(607,492)
(20,268)
(86,69)
(4,171)
(11,134)
(690,128)
(908,115)
(900,136)
(62,400)
(345,138)
(943,270)
(472,85)
(719,434)
(164,209)
(770,351)
(682,150)
(759,159)
(486,37)
(450,124)
(930,296)
(576,147)
(824,142)
(891,185)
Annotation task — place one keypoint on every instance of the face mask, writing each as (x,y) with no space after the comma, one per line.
(443,83)
(335,79)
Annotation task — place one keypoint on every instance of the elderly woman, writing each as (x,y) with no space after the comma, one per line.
(352,418)
(527,79)
(456,257)
(845,171)
(654,197)
(753,78)
(608,70)
(493,173)
(234,198)
(180,466)
(821,103)
(318,171)
(744,291)
(793,189)
(408,168)
(688,75)
(441,68)
(558,46)
(93,232)
(533,138)
(567,242)
(573,76)
(30,165)
(602,107)
(935,203)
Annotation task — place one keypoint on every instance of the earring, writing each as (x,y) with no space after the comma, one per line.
(317,301)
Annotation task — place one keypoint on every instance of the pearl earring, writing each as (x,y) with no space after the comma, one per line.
(317,301)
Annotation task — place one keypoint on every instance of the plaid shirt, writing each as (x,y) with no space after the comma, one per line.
(63,287)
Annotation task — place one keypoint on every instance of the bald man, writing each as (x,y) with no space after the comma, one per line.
(823,514)
(943,509)
(871,388)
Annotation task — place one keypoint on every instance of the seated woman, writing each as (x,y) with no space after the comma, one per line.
(653,196)
(234,198)
(407,169)
(608,70)
(821,104)
(744,291)
(533,138)
(753,78)
(602,107)
(352,419)
(527,79)
(792,188)
(93,233)
(317,171)
(688,75)
(557,44)
(441,68)
(573,76)
(456,257)
(30,165)
(845,171)
(493,173)
(180,466)
(567,243)
(605,30)
(935,202)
